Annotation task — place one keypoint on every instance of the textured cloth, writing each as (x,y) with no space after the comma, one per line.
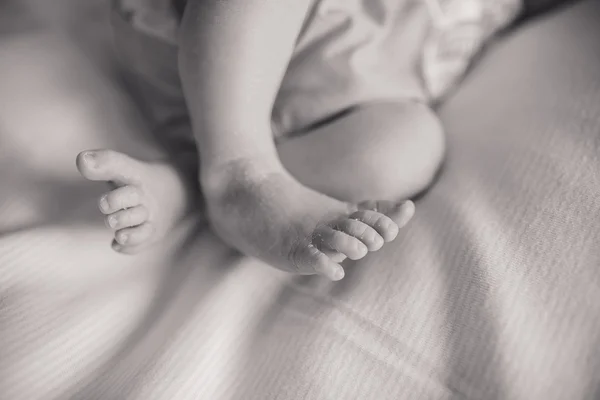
(491,292)
(350,52)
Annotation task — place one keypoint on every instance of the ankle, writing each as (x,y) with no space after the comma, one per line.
(217,179)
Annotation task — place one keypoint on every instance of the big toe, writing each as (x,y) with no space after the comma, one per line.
(108,165)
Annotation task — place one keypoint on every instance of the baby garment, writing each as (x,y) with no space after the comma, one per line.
(350,52)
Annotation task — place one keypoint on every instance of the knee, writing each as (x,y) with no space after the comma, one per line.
(409,153)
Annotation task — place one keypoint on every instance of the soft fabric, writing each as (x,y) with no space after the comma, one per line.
(350,52)
(491,292)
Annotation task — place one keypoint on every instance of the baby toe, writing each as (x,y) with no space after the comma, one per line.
(307,259)
(330,239)
(404,213)
(386,207)
(383,224)
(108,165)
(134,236)
(401,212)
(335,256)
(87,164)
(363,232)
(126,249)
(127,218)
(120,198)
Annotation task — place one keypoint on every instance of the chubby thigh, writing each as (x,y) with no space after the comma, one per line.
(349,53)
(337,63)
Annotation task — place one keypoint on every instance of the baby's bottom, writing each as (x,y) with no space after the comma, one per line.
(384,151)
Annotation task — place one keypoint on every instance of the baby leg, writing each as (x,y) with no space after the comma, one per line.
(148,198)
(385,151)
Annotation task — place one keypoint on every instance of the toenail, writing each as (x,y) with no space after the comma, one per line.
(112,221)
(90,159)
(338,274)
(103,204)
(404,204)
(362,248)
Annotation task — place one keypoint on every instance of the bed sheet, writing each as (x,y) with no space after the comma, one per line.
(492,291)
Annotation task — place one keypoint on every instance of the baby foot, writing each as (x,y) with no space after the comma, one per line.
(149,198)
(273,217)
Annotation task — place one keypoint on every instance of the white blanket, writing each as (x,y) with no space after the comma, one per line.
(492,292)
